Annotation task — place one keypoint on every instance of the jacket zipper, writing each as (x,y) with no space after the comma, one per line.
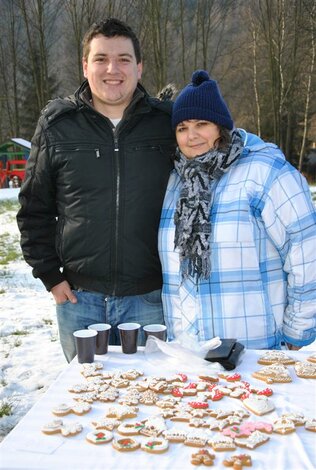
(117,207)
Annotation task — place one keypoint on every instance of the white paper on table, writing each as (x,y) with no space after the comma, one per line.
(184,350)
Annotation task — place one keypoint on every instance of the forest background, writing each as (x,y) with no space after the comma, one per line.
(262,53)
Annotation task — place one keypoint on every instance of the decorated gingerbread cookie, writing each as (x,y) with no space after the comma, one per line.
(64,409)
(283,426)
(256,439)
(310,424)
(305,370)
(125,444)
(203,457)
(99,437)
(106,423)
(259,404)
(222,443)
(312,358)
(130,429)
(273,373)
(195,439)
(57,426)
(175,435)
(155,445)
(238,461)
(122,412)
(272,357)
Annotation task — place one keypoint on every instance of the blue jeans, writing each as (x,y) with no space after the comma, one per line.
(93,307)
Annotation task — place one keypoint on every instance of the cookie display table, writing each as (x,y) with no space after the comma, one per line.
(26,447)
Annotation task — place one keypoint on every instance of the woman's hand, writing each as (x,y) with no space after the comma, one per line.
(291,347)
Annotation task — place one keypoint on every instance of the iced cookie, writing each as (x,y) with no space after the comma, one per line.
(198,423)
(305,370)
(79,409)
(195,439)
(229,377)
(310,424)
(148,398)
(272,357)
(312,358)
(203,457)
(256,439)
(222,443)
(273,373)
(259,404)
(57,426)
(53,427)
(130,429)
(106,423)
(198,404)
(109,395)
(238,461)
(99,437)
(122,412)
(297,418)
(153,426)
(155,445)
(132,374)
(126,444)
(283,426)
(175,435)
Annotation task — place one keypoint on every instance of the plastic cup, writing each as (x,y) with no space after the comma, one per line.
(102,341)
(128,335)
(85,345)
(159,331)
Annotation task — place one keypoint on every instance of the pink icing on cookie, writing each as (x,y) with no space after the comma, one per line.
(198,404)
(266,391)
(183,377)
(233,377)
(190,386)
(176,392)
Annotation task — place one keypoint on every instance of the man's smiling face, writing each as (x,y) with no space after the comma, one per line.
(113,73)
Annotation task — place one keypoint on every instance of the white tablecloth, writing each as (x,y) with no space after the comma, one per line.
(26,447)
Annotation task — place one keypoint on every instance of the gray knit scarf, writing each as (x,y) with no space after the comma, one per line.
(192,215)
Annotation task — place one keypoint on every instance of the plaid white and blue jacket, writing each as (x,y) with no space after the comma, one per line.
(262,287)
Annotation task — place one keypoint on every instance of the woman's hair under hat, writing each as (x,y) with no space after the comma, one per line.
(201,99)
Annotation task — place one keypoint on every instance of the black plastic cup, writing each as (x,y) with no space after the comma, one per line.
(128,335)
(103,335)
(85,345)
(159,331)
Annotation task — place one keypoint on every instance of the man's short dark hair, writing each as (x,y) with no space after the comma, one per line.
(111,27)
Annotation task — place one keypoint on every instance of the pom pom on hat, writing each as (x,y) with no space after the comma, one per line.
(199,76)
(201,99)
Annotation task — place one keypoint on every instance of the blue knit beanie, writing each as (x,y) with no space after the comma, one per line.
(201,99)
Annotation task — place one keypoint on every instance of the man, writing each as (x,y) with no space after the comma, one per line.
(92,197)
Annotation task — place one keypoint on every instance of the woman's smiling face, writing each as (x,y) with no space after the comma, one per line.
(196,137)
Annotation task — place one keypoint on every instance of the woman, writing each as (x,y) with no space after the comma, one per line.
(238,232)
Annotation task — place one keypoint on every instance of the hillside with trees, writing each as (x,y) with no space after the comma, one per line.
(262,52)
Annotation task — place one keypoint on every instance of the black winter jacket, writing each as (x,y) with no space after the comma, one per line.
(92,197)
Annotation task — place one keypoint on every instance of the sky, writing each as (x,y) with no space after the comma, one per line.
(30,354)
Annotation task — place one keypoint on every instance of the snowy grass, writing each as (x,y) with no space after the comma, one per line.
(30,354)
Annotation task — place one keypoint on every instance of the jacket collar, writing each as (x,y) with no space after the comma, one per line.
(138,105)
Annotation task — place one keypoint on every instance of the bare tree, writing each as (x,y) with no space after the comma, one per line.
(312,25)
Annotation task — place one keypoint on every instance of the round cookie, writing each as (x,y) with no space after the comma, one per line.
(125,444)
(99,437)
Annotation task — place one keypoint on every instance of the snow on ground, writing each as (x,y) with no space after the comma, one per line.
(30,353)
